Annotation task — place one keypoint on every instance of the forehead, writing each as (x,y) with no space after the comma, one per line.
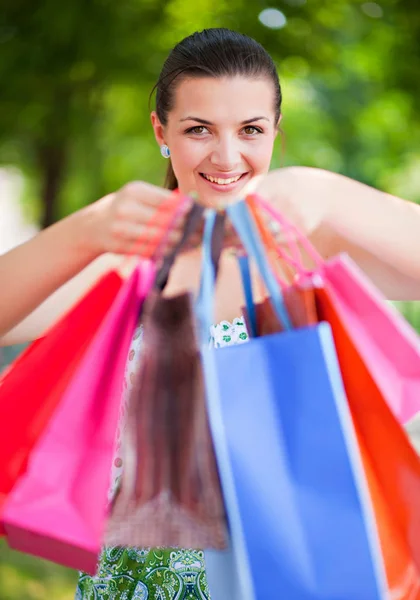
(224,99)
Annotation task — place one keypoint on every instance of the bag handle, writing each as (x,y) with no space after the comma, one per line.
(269,239)
(176,215)
(245,228)
(289,228)
(242,222)
(165,217)
(192,224)
(212,249)
(205,300)
(270,244)
(217,239)
(243,262)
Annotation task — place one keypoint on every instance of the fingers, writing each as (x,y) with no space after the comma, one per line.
(161,245)
(146,194)
(142,214)
(131,209)
(144,218)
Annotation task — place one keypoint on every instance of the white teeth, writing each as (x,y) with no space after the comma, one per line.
(221,181)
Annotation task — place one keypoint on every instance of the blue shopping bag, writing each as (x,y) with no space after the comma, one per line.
(299,512)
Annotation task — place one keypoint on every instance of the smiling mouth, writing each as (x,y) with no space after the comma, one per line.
(222,181)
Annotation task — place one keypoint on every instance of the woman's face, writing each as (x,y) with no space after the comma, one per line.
(220,133)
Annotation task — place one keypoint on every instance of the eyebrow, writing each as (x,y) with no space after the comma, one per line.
(204,122)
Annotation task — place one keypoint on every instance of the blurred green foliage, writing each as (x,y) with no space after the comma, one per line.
(74,112)
(76,79)
(23,576)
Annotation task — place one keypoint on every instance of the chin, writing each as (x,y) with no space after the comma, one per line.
(215,199)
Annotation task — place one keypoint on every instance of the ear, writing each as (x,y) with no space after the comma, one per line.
(278,125)
(158,128)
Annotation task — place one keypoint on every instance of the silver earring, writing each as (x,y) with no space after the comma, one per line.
(165,152)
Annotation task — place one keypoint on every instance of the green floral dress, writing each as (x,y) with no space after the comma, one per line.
(152,573)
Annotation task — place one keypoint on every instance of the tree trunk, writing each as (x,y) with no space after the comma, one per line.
(52,163)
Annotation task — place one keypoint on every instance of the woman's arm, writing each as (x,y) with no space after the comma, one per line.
(379,231)
(385,226)
(44,277)
(34,270)
(38,315)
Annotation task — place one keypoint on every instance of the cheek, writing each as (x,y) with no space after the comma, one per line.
(187,155)
(259,155)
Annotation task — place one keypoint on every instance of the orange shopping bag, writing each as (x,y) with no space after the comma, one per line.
(391,464)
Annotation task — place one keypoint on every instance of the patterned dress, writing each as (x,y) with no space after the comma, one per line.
(152,573)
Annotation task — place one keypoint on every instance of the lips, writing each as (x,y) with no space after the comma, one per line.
(222,180)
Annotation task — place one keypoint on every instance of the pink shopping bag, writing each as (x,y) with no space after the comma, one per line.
(388,345)
(32,387)
(58,508)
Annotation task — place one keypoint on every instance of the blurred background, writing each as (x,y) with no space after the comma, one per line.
(74,117)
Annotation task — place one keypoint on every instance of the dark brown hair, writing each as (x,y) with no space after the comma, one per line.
(215,52)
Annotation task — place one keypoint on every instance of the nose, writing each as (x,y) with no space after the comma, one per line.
(226,153)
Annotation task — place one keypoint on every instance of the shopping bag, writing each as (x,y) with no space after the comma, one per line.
(32,387)
(388,345)
(382,441)
(261,318)
(172,498)
(390,462)
(170,494)
(300,518)
(57,509)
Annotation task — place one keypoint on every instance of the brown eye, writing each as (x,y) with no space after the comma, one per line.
(198,130)
(251,130)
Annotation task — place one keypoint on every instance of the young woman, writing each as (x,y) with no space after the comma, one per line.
(218,108)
